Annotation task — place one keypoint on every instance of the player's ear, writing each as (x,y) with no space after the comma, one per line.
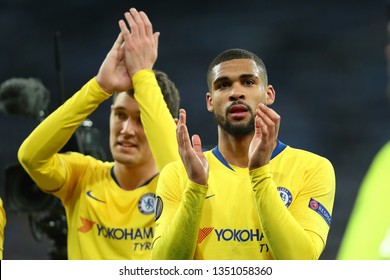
(209,102)
(270,95)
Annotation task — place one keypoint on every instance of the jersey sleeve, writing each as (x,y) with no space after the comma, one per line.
(367,226)
(38,153)
(158,123)
(178,214)
(298,232)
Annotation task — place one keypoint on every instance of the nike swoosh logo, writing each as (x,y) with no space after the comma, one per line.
(210,196)
(89,193)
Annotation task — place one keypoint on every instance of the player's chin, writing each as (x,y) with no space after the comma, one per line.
(125,155)
(239,123)
(126,159)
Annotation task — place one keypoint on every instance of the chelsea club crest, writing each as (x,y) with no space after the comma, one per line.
(146,204)
(286,196)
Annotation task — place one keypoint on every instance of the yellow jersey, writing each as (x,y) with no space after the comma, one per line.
(103,220)
(3,221)
(367,234)
(279,211)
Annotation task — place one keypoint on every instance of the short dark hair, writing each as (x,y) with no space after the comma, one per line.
(231,54)
(169,90)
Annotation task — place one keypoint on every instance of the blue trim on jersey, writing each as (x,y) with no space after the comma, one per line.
(114,177)
(219,156)
(117,182)
(279,148)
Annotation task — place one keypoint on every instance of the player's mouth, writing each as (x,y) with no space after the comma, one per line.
(126,146)
(238,111)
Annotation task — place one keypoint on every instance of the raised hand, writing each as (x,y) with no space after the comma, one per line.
(140,43)
(267,123)
(113,75)
(192,156)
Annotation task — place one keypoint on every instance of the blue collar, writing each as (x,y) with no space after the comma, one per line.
(117,182)
(279,148)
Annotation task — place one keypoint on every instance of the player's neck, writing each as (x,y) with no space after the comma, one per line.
(132,177)
(234,150)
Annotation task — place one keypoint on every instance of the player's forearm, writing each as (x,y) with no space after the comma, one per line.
(286,237)
(156,119)
(53,133)
(178,242)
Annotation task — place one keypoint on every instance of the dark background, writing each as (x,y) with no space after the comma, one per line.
(325,59)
